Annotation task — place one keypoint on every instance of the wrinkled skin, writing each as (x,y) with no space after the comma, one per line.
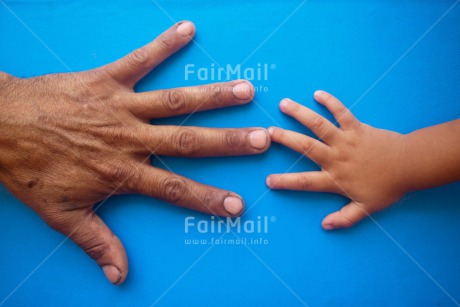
(71,140)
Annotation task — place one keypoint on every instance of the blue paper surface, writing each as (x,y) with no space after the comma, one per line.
(396,63)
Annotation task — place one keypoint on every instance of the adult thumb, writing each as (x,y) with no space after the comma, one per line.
(89,232)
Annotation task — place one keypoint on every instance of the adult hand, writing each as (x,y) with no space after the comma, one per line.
(361,162)
(71,140)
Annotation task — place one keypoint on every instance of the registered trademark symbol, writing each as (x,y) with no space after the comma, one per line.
(273,219)
(273,67)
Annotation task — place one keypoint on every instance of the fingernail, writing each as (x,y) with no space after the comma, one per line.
(271,131)
(258,139)
(268,181)
(185,28)
(328,226)
(112,273)
(318,93)
(233,205)
(242,90)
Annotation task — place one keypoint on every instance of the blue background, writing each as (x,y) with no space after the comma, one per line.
(376,56)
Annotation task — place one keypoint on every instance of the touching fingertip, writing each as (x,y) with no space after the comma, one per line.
(233,205)
(112,274)
(268,181)
(271,131)
(259,138)
(243,90)
(185,28)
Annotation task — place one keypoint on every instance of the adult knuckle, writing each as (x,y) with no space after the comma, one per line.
(215,95)
(174,189)
(85,235)
(165,43)
(119,173)
(186,142)
(122,137)
(96,249)
(90,89)
(174,100)
(233,139)
(139,57)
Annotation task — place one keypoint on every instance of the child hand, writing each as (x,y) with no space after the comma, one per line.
(358,161)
